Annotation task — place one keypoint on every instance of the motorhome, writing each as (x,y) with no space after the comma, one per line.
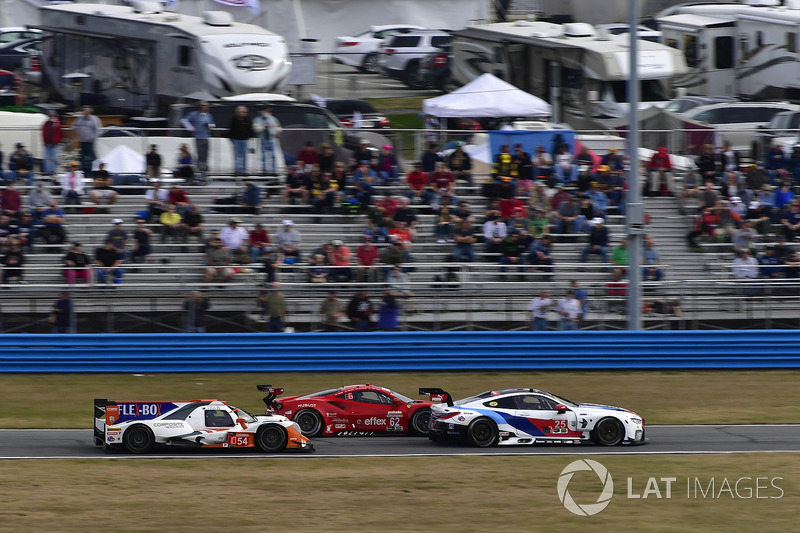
(750,50)
(582,72)
(138,58)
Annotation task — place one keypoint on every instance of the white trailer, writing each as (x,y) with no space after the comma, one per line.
(141,58)
(582,72)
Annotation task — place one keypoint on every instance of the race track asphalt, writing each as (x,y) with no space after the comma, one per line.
(700,439)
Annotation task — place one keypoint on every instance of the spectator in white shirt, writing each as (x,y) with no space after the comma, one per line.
(494,233)
(235,238)
(570,309)
(538,309)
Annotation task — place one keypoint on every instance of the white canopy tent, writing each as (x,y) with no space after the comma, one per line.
(123,160)
(487,97)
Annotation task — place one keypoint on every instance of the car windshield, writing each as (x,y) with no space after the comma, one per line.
(563,400)
(241,413)
(649,91)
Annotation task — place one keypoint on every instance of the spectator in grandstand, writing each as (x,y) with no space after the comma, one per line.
(463,213)
(341,261)
(538,225)
(318,271)
(388,312)
(61,315)
(178,198)
(782,251)
(564,165)
(387,207)
(769,265)
(619,256)
(388,167)
(732,187)
(728,158)
(13,260)
(276,308)
(566,216)
(108,261)
(192,224)
(185,168)
(784,196)
(651,258)
(152,160)
(444,225)
(76,265)
(443,184)
(12,201)
(790,219)
(367,254)
(569,308)
(360,311)
(52,135)
(258,239)
(406,217)
(430,157)
(463,251)
(766,197)
(297,186)
(538,308)
(598,198)
(251,198)
(614,161)
(399,282)
(235,238)
(331,311)
(171,225)
(518,221)
(542,163)
(327,159)
(271,262)
(196,305)
(102,192)
(540,256)
(661,177)
(598,241)
(240,131)
(586,213)
(512,252)
(522,160)
(218,259)
(288,241)
(708,198)
(119,237)
(760,216)
(582,296)
(268,129)
(745,269)
(25,230)
(691,189)
(754,177)
(617,290)
(792,268)
(775,160)
(460,164)
(307,156)
(417,186)
(705,223)
(141,241)
(53,231)
(39,200)
(72,184)
(363,186)
(494,232)
(395,254)
(7,231)
(157,200)
(21,164)
(707,163)
(537,199)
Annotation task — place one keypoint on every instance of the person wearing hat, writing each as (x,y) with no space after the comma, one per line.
(52,135)
(119,237)
(87,128)
(598,198)
(598,241)
(200,123)
(759,216)
(20,165)
(288,240)
(662,178)
(460,164)
(341,260)
(72,187)
(234,238)
(614,161)
(268,130)
(388,166)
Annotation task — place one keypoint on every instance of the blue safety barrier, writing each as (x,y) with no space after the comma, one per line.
(401,351)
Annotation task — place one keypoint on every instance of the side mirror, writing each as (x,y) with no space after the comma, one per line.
(561,408)
(241,422)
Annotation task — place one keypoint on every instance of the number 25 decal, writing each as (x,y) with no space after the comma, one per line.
(559,424)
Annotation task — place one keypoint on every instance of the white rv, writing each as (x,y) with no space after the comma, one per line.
(140,57)
(749,50)
(582,72)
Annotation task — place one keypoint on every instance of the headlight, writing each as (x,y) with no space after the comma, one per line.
(296,427)
(636,420)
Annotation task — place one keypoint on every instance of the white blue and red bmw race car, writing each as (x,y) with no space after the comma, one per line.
(141,426)
(529,416)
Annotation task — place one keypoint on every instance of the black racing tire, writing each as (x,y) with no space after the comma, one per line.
(411,76)
(139,439)
(310,422)
(420,422)
(608,432)
(370,64)
(272,438)
(482,432)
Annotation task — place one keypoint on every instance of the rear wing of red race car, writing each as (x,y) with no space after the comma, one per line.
(437,395)
(272,393)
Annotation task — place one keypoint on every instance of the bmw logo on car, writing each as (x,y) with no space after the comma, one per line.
(251,62)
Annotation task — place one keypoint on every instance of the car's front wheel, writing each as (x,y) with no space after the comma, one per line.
(482,433)
(420,422)
(411,76)
(370,64)
(608,432)
(310,422)
(272,438)
(139,439)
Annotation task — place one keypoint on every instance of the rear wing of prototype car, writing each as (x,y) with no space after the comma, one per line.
(272,393)
(100,419)
(437,395)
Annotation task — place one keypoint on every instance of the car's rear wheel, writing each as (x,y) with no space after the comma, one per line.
(482,433)
(139,439)
(420,422)
(370,64)
(411,76)
(272,438)
(310,422)
(608,432)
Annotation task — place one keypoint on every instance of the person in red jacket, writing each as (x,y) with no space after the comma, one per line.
(52,134)
(307,157)
(662,179)
(12,201)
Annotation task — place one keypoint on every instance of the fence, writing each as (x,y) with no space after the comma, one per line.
(371,352)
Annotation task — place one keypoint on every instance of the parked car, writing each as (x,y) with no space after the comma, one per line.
(782,129)
(23,57)
(13,34)
(354,410)
(737,122)
(345,110)
(434,71)
(361,49)
(530,416)
(683,104)
(401,57)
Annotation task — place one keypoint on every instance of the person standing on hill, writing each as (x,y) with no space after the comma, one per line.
(52,135)
(200,122)
(268,129)
(87,128)
(240,130)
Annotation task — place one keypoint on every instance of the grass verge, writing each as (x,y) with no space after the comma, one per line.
(65,400)
(467,494)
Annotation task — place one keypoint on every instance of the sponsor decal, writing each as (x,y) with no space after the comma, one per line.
(340,426)
(503,433)
(394,428)
(109,438)
(394,413)
(168,425)
(287,413)
(461,418)
(300,406)
(328,428)
(339,420)
(493,404)
(355,433)
(375,421)
(331,414)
